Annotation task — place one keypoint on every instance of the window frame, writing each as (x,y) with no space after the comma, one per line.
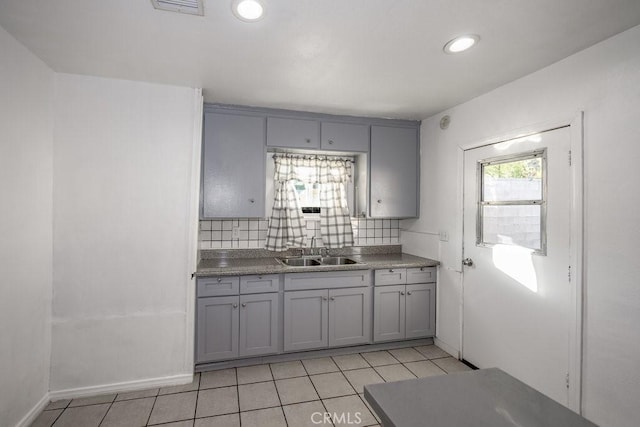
(542,202)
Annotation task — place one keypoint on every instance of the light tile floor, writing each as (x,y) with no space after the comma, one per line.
(268,395)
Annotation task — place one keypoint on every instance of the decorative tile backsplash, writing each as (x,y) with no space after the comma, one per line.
(242,233)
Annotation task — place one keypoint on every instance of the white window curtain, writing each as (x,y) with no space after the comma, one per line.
(286,225)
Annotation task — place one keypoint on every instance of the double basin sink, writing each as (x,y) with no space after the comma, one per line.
(312,262)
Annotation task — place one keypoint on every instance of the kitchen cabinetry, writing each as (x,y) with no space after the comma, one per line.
(403,308)
(344,137)
(235,325)
(394,177)
(233,166)
(335,313)
(292,133)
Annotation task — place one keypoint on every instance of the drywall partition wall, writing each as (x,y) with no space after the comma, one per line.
(122,188)
(604,81)
(26,150)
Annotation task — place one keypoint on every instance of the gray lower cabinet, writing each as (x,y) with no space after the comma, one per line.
(217,328)
(420,314)
(326,317)
(306,320)
(389,313)
(233,166)
(394,176)
(232,326)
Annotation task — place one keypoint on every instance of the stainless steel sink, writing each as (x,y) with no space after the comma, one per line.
(337,260)
(300,262)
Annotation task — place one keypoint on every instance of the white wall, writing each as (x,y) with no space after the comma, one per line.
(604,81)
(122,171)
(26,146)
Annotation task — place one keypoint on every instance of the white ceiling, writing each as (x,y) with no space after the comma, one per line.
(362,57)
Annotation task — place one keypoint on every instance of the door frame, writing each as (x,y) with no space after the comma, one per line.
(576,332)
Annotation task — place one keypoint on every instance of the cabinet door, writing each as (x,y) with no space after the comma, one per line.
(394,172)
(344,137)
(233,167)
(295,133)
(349,316)
(420,310)
(258,324)
(389,313)
(305,320)
(217,329)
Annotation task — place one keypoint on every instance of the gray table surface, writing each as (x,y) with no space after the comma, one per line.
(486,397)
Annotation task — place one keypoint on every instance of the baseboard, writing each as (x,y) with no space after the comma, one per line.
(33,413)
(122,387)
(446,347)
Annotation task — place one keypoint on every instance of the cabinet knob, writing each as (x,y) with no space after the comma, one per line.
(379,200)
(324,298)
(409,293)
(252,201)
(401,293)
(259,277)
(219,280)
(332,298)
(390,271)
(235,305)
(244,304)
(331,141)
(308,140)
(421,268)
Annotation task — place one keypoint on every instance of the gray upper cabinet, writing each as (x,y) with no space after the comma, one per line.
(344,137)
(394,178)
(233,167)
(293,133)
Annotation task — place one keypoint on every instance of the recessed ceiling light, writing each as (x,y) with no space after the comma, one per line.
(248,10)
(461,43)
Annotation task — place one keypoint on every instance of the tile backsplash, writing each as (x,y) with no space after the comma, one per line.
(252,233)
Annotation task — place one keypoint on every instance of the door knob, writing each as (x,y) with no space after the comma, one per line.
(468,262)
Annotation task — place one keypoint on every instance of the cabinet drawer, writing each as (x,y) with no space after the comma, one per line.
(326,280)
(390,276)
(344,137)
(421,275)
(297,133)
(259,283)
(218,286)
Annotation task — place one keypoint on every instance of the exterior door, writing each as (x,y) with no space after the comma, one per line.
(516,289)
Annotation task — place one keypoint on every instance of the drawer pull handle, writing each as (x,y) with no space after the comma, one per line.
(219,280)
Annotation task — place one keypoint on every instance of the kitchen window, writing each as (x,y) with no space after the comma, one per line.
(512,201)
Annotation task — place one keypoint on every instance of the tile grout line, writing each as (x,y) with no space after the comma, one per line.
(238,397)
(316,390)
(278,394)
(108,409)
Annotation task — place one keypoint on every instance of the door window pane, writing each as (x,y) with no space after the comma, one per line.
(511,201)
(512,225)
(512,180)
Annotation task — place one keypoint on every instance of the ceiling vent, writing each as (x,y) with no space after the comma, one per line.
(192,7)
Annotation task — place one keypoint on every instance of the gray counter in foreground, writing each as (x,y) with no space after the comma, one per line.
(486,397)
